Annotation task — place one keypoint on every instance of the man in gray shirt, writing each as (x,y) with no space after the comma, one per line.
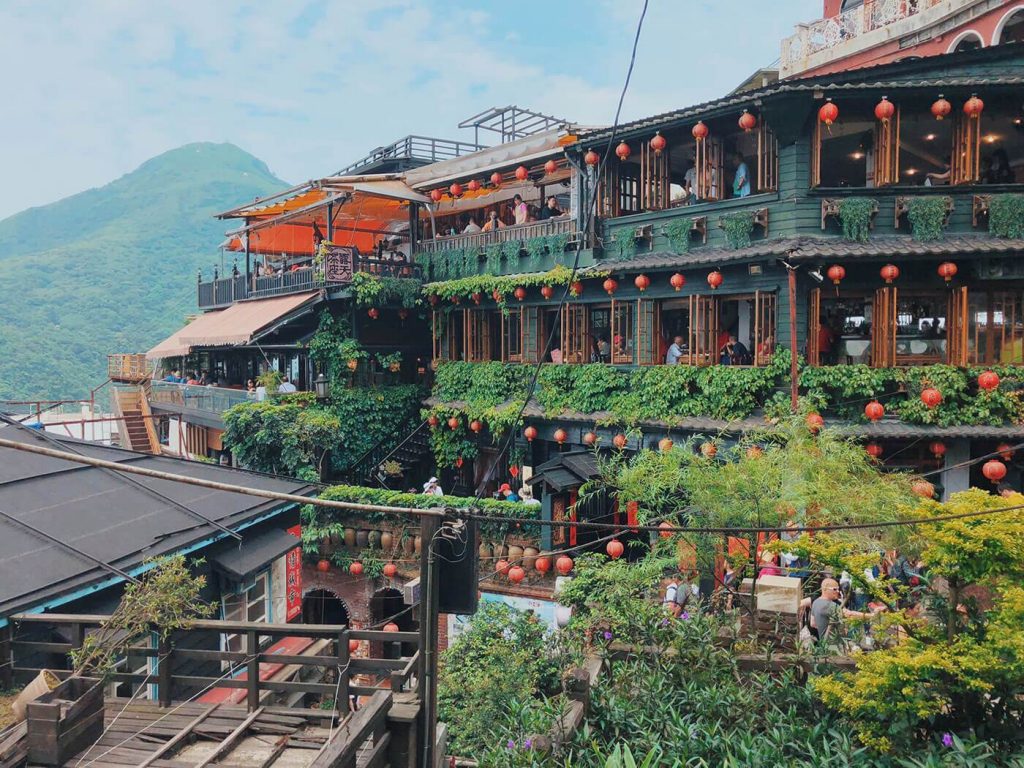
(826,610)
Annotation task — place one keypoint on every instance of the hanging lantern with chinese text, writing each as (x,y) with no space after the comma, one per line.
(699,131)
(889,273)
(941,107)
(973,107)
(931,397)
(622,151)
(947,270)
(522,173)
(715,279)
(988,380)
(874,410)
(530,433)
(658,143)
(591,158)
(885,109)
(677,281)
(610,285)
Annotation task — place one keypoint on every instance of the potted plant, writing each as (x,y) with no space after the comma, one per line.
(270,380)
(392,362)
(352,351)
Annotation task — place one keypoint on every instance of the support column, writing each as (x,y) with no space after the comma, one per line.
(958,479)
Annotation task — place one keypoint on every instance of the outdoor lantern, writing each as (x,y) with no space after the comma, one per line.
(988,380)
(547,291)
(355,568)
(666,529)
(615,549)
(576,289)
(455,299)
(889,272)
(455,190)
(453,423)
(1005,450)
(874,450)
(496,179)
(923,488)
(403,314)
(931,397)
(373,312)
(994,470)
(322,387)
(496,295)
(563,565)
(543,564)
(433,299)
(938,449)
(828,113)
(522,173)
(973,107)
(610,285)
(941,108)
(516,574)
(433,421)
(436,195)
(391,627)
(947,270)
(836,273)
(550,167)
(476,296)
(530,433)
(677,281)
(747,122)
(591,158)
(658,143)
(665,444)
(699,131)
(561,436)
(390,569)
(473,185)
(874,410)
(885,109)
(622,151)
(589,438)
(641,282)
(502,567)
(353,646)
(620,441)
(714,279)
(815,422)
(475,425)
(323,566)
(519,293)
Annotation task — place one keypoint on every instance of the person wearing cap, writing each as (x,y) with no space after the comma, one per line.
(432,488)
(506,491)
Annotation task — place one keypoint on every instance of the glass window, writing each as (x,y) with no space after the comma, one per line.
(924,146)
(848,152)
(252,603)
(996,328)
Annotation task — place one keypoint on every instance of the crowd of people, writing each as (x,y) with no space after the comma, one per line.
(519,212)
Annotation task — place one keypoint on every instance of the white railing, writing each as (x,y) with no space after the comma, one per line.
(825,34)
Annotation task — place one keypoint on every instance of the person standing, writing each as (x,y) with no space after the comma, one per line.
(675,351)
(519,210)
(551,209)
(286,387)
(741,181)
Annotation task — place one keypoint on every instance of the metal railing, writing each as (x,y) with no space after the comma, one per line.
(220,292)
(214,400)
(423,148)
(480,240)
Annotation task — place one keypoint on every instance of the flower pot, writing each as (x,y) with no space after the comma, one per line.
(387,540)
(485,551)
(56,729)
(417,545)
(350,537)
(530,558)
(408,545)
(362,538)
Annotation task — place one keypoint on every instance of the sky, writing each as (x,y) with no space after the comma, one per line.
(94,88)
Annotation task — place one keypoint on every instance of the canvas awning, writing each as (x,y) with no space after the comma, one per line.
(241,560)
(238,324)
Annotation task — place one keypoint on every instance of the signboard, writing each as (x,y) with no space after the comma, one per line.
(544,610)
(293,578)
(339,262)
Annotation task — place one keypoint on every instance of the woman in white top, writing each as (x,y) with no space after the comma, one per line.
(522,213)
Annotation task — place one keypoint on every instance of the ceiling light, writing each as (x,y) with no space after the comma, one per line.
(911,171)
(930,137)
(991,138)
(857,155)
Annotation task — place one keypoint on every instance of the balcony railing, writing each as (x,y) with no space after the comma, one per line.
(480,240)
(132,368)
(224,291)
(214,400)
(825,34)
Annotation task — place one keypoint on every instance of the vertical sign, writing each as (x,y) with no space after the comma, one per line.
(293,578)
(339,262)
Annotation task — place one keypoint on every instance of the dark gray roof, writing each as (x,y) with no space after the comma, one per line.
(240,561)
(102,513)
(567,470)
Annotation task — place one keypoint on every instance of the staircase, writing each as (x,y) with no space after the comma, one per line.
(137,432)
(410,455)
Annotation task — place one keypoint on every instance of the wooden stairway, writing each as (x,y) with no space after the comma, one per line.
(137,432)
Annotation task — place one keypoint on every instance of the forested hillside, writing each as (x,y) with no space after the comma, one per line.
(113,269)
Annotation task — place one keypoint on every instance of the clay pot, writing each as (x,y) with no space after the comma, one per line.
(515,554)
(374,539)
(335,540)
(387,540)
(485,551)
(362,538)
(350,537)
(500,550)
(325,546)
(530,558)
(408,545)
(417,544)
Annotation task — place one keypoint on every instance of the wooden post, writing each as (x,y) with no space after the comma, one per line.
(163,672)
(428,640)
(252,648)
(341,705)
(794,366)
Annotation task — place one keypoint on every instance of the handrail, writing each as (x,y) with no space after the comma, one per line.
(354,466)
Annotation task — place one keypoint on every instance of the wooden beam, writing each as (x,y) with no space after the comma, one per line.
(178,738)
(340,751)
(231,740)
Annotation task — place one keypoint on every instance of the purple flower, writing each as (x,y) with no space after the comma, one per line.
(528,744)
(684,616)
(664,622)
(607,635)
(947,740)
(511,744)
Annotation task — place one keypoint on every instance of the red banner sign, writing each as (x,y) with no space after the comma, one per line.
(293,576)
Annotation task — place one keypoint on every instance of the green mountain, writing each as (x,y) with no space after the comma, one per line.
(113,269)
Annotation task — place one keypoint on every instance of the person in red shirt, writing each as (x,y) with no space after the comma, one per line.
(825,340)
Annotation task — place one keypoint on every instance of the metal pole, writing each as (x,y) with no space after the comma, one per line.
(428,640)
(794,368)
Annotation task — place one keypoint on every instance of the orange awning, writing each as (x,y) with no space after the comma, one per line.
(238,324)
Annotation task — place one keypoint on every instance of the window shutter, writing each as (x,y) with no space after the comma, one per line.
(767,159)
(813,327)
(532,343)
(966,162)
(887,150)
(704,323)
(654,179)
(623,327)
(648,330)
(816,155)
(764,327)
(883,328)
(957,320)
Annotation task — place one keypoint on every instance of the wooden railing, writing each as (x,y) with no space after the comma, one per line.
(480,240)
(396,674)
(133,368)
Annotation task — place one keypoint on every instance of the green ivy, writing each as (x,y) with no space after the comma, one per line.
(535,249)
(855,216)
(927,216)
(738,226)
(371,290)
(623,244)
(556,245)
(678,234)
(510,250)
(465,287)
(1006,216)
(494,252)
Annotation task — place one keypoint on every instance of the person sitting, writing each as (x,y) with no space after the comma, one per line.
(250,387)
(675,351)
(173,377)
(741,181)
(472,227)
(526,496)
(551,209)
(432,488)
(604,350)
(766,349)
(286,387)
(519,210)
(193,379)
(507,493)
(734,352)
(493,222)
(942,177)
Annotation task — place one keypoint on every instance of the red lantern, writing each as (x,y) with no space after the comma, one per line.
(433,300)
(496,179)
(403,314)
(889,272)
(994,470)
(503,567)
(550,167)
(947,270)
(615,549)
(622,151)
(516,574)
(923,488)
(390,569)
(323,566)
(885,109)
(710,450)
(938,449)
(436,195)
(815,422)
(931,397)
(677,281)
(576,289)
(973,107)
(542,564)
(589,438)
(988,380)
(941,108)
(530,433)
(714,279)
(519,293)
(641,282)
(453,423)
(666,529)
(522,173)
(836,273)
(828,113)
(455,190)
(459,462)
(563,565)
(658,143)
(353,646)
(610,285)
(560,436)
(665,444)
(355,568)
(747,122)
(620,441)
(455,299)
(1005,450)
(433,421)
(473,185)
(874,450)
(496,295)
(373,312)
(391,627)
(547,291)
(513,470)
(475,425)
(591,158)
(874,410)
(699,131)
(476,296)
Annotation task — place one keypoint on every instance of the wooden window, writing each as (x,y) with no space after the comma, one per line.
(619,192)
(648,332)
(957,322)
(532,341)
(767,159)
(478,335)
(883,328)
(710,169)
(965,162)
(816,154)
(887,151)
(764,327)
(512,335)
(705,312)
(447,330)
(437,334)
(574,333)
(623,325)
(655,186)
(813,327)
(996,322)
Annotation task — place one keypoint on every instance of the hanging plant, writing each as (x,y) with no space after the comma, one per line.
(623,245)
(535,249)
(678,234)
(855,215)
(556,245)
(439,262)
(510,250)
(738,227)
(494,258)
(1006,216)
(926,216)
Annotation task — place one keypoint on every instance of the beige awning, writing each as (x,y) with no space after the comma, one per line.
(238,324)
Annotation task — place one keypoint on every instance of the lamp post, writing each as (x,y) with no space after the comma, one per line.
(322,388)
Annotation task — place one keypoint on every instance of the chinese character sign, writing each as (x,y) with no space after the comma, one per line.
(339,262)
(293,578)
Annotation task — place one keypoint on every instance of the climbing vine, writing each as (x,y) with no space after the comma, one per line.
(738,226)
(678,234)
(623,244)
(486,285)
(855,215)
(1006,216)
(371,290)
(927,215)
